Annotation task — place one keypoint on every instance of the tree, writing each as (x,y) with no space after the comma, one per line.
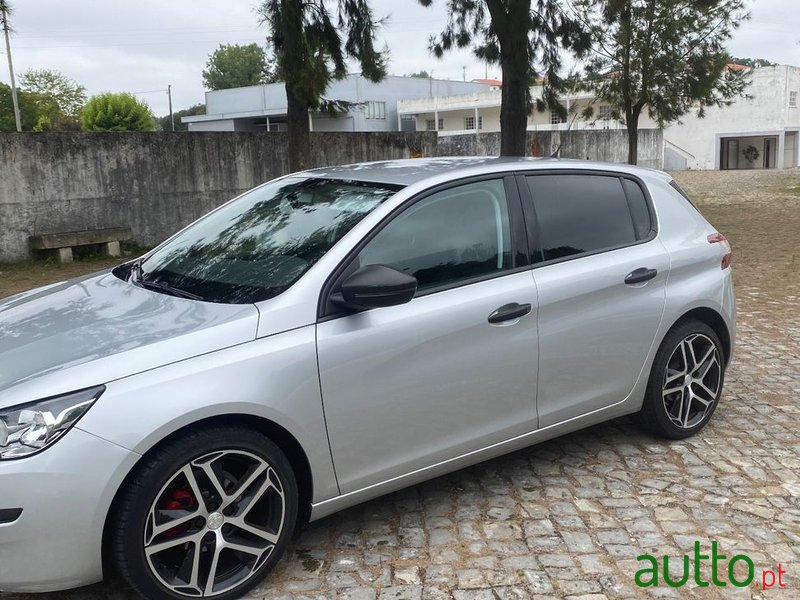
(660,57)
(525,37)
(311,50)
(233,65)
(58,99)
(420,74)
(27,109)
(165,124)
(117,112)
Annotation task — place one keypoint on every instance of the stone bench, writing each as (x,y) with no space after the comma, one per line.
(63,243)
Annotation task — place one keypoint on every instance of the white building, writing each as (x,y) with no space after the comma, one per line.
(757,132)
(263,107)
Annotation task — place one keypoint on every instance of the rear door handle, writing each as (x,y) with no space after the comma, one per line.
(508,312)
(640,275)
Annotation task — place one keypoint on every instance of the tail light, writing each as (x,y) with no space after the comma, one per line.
(718,238)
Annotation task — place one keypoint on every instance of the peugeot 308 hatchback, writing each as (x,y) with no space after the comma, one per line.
(338,334)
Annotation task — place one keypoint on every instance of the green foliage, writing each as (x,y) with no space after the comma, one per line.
(58,99)
(164,123)
(27,109)
(665,58)
(67,95)
(234,65)
(117,112)
(420,74)
(525,37)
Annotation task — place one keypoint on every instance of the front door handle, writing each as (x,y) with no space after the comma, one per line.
(508,312)
(640,275)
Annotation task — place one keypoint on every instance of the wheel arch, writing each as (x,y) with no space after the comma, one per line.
(713,319)
(282,437)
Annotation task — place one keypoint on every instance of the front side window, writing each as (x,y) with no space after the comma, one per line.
(578,214)
(257,246)
(449,237)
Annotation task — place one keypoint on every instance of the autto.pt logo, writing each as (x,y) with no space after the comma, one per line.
(738,571)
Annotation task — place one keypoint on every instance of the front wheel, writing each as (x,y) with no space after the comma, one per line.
(685,382)
(208,515)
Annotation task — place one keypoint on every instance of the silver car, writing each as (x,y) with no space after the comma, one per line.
(335,335)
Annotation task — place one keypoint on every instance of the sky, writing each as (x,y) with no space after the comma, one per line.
(144,46)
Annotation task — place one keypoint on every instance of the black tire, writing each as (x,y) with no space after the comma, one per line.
(654,416)
(148,484)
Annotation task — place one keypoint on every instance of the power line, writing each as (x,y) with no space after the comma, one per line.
(164,43)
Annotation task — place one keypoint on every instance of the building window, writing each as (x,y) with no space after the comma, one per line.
(555,118)
(793,99)
(376,110)
(604,112)
(430,125)
(469,122)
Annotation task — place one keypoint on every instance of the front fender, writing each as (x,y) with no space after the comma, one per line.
(274,378)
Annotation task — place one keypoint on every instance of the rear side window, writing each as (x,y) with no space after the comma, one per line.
(579,214)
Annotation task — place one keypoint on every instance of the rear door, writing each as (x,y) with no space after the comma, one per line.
(601,273)
(405,387)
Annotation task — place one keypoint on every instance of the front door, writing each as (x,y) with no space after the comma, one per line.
(408,386)
(731,154)
(769,149)
(601,288)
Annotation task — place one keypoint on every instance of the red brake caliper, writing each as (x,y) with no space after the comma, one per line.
(181,499)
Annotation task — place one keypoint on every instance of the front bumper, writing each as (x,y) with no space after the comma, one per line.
(64,493)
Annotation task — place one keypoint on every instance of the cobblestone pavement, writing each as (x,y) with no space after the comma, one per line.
(567,518)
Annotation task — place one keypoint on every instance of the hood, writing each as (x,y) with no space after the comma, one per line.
(113,326)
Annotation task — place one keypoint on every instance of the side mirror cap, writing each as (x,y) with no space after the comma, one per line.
(376,286)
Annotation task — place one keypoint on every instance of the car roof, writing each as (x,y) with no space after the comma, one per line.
(409,171)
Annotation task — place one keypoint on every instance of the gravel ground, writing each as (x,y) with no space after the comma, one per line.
(567,518)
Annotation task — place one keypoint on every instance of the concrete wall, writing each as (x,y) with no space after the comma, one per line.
(154,183)
(604,145)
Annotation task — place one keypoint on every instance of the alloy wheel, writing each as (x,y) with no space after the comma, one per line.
(692,381)
(214,523)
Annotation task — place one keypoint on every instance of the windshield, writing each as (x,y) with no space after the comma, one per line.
(257,246)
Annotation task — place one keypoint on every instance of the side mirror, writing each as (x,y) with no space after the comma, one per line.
(376,286)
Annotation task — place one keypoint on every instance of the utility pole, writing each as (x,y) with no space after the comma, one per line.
(464,73)
(4,12)
(169,97)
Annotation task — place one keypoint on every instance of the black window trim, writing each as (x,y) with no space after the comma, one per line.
(532,223)
(520,242)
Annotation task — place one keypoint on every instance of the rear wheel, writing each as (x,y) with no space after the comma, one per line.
(685,382)
(207,515)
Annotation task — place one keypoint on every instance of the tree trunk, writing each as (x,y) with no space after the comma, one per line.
(513,38)
(294,64)
(299,131)
(514,113)
(632,123)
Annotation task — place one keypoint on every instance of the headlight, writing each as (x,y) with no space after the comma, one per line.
(28,428)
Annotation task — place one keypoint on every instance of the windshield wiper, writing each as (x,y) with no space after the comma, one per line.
(158,286)
(165,288)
